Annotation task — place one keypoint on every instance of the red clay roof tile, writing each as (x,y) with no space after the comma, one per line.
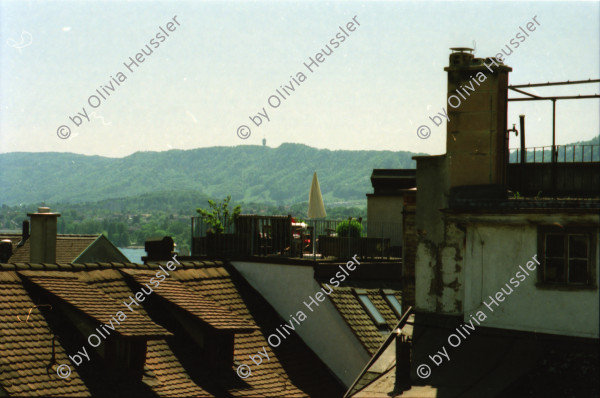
(93,302)
(292,371)
(196,304)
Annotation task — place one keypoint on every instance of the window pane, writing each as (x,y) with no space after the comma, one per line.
(578,271)
(555,245)
(371,308)
(578,246)
(555,270)
(394,303)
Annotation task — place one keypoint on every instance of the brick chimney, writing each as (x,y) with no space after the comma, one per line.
(477,107)
(43,236)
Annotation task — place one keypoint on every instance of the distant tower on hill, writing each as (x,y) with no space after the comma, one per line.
(264,142)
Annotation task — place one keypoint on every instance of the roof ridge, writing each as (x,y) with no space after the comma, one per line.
(78,235)
(62,266)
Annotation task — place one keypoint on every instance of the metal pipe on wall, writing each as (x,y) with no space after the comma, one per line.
(522,128)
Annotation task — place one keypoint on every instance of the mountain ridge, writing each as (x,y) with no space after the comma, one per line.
(249,173)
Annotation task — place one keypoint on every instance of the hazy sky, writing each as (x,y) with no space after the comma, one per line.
(225,59)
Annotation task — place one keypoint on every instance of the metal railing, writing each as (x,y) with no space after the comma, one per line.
(283,236)
(564,153)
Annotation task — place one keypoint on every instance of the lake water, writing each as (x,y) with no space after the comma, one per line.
(134,255)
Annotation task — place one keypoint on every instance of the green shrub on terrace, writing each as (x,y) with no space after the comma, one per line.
(349,229)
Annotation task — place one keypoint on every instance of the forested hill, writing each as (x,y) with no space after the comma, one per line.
(248,173)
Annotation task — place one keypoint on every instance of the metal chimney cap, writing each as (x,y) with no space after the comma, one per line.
(43,211)
(461,49)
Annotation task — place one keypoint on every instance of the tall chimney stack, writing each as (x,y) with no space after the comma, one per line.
(24,234)
(43,236)
(476,143)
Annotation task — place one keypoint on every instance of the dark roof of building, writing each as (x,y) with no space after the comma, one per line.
(492,199)
(32,346)
(489,362)
(516,206)
(393,181)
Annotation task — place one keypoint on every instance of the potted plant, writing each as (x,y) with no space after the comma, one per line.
(218,218)
(349,229)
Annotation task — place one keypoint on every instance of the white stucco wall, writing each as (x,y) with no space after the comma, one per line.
(286,287)
(438,273)
(492,257)
(424,275)
(431,270)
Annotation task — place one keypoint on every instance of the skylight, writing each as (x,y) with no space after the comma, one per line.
(393,301)
(375,314)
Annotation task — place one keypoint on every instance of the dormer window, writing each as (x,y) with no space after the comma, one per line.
(123,355)
(126,355)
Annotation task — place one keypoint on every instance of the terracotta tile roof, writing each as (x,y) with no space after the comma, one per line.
(293,370)
(196,304)
(345,299)
(171,378)
(93,302)
(68,248)
(98,290)
(26,366)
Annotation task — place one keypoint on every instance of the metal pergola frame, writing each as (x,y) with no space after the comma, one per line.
(532,97)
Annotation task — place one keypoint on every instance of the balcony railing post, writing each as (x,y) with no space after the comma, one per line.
(192,235)
(251,236)
(554,130)
(382,243)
